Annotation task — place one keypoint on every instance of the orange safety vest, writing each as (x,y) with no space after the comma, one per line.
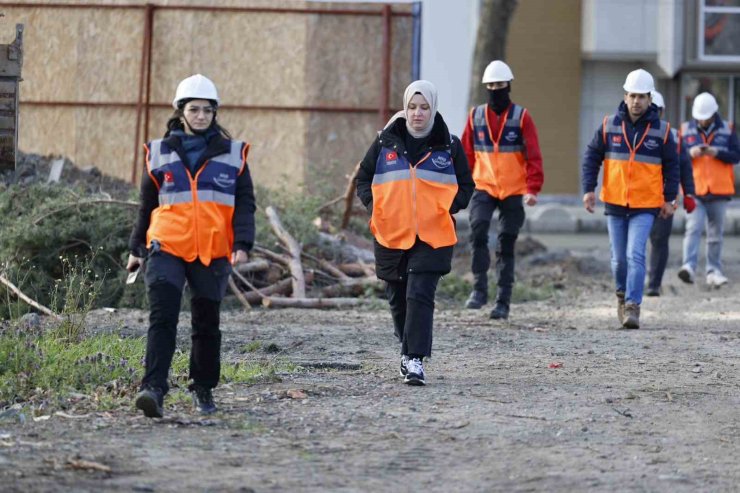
(413,200)
(500,166)
(711,175)
(194,216)
(633,172)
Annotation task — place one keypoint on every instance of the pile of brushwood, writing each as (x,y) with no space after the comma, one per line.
(64,243)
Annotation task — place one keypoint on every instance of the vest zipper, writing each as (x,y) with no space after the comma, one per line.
(413,191)
(194,192)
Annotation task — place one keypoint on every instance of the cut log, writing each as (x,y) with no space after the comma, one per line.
(280,288)
(351,287)
(275,257)
(337,248)
(256,265)
(296,269)
(357,269)
(275,302)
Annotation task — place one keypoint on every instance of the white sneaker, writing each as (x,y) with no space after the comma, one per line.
(404,362)
(686,274)
(716,279)
(415,372)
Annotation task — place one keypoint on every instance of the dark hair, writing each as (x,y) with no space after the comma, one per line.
(175,123)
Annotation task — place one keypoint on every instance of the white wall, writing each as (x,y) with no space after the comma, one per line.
(619,28)
(447,43)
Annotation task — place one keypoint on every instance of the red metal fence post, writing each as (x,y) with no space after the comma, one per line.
(140,104)
(385,88)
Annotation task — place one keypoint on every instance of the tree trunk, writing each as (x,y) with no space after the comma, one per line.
(490,45)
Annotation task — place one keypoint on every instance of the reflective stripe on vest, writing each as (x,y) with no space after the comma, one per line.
(633,171)
(411,201)
(194,216)
(711,175)
(499,160)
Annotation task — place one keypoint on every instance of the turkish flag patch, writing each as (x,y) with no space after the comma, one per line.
(391,156)
(169,177)
(481,135)
(617,139)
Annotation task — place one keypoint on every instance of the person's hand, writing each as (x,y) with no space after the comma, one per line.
(689,203)
(239,257)
(133,262)
(667,210)
(711,151)
(696,152)
(589,201)
(530,199)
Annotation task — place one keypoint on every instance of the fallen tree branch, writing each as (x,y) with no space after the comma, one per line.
(275,302)
(86,202)
(28,300)
(327,266)
(349,196)
(276,257)
(234,289)
(331,203)
(296,269)
(356,269)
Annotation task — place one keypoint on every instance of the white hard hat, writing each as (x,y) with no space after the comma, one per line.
(705,106)
(195,87)
(497,71)
(658,99)
(639,82)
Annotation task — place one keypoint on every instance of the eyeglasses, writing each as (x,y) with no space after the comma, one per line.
(194,110)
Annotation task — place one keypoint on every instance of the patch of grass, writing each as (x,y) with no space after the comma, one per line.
(251,347)
(525,292)
(41,366)
(453,289)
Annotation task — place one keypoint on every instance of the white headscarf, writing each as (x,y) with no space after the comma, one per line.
(429,92)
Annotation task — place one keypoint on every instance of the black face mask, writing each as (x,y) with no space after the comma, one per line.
(498,99)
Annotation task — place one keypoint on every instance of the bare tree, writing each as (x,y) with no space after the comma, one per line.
(493,28)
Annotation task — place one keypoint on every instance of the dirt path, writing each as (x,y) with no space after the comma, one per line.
(648,410)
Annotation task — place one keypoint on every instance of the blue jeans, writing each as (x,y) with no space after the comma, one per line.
(628,237)
(712,214)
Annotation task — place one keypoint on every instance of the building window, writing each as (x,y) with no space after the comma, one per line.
(719,28)
(725,88)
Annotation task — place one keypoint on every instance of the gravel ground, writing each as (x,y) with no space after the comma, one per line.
(555,399)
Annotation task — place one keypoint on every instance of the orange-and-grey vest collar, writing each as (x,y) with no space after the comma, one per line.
(646,148)
(509,138)
(719,137)
(215,180)
(435,166)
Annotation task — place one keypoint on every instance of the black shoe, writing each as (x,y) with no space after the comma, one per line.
(203,400)
(151,400)
(500,312)
(652,292)
(414,372)
(476,300)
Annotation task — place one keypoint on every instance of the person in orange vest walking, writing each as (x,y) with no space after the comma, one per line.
(662,226)
(500,142)
(412,179)
(640,181)
(196,219)
(714,150)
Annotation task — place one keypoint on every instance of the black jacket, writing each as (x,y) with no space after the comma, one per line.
(392,264)
(243,221)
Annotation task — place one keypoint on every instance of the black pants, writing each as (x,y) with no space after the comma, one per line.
(511,219)
(165,279)
(659,236)
(412,309)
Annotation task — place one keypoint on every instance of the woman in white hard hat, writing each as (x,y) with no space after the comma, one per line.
(713,146)
(640,182)
(661,232)
(196,219)
(412,179)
